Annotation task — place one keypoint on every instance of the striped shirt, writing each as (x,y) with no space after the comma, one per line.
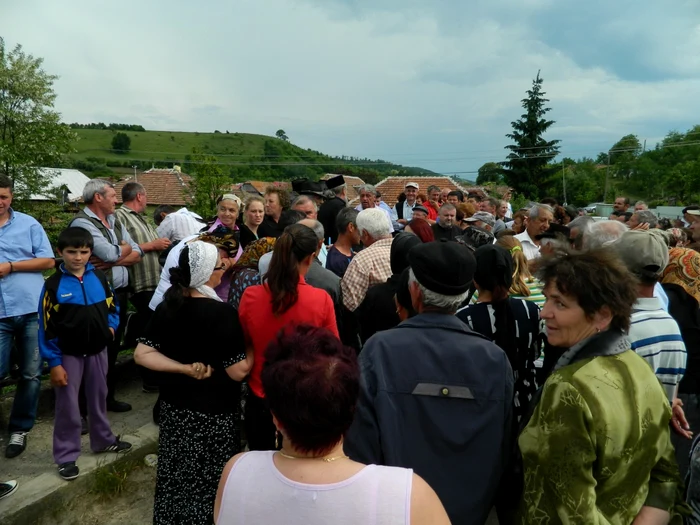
(144,275)
(536,296)
(655,336)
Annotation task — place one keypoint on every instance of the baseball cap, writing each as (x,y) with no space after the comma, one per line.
(483,216)
(412,185)
(644,254)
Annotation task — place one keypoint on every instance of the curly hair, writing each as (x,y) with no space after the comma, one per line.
(282,195)
(595,278)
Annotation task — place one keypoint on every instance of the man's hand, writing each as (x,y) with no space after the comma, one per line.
(100,264)
(643,226)
(161,244)
(59,377)
(679,422)
(5,269)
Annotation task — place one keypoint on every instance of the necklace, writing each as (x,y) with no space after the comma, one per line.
(327,460)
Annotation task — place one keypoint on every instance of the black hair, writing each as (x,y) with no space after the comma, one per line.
(163,208)
(5,181)
(282,278)
(180,277)
(74,237)
(289,217)
(457,193)
(345,218)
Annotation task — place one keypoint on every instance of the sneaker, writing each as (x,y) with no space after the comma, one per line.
(117,446)
(68,471)
(84,429)
(17,444)
(7,488)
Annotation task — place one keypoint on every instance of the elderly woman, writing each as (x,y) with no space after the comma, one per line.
(312,383)
(597,448)
(199,386)
(223,233)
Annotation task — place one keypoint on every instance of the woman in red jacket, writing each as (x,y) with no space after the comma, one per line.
(284,298)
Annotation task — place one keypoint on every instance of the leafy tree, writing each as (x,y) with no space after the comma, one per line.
(489,172)
(31,134)
(209,181)
(527,168)
(281,135)
(121,143)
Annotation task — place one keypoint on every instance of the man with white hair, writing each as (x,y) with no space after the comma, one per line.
(537,222)
(641,206)
(643,219)
(372,265)
(307,206)
(368,200)
(434,395)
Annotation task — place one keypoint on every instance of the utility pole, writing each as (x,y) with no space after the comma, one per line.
(607,176)
(136,179)
(563,178)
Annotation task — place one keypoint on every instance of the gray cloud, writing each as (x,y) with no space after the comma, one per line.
(430,83)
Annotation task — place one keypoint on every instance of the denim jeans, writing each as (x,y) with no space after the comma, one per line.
(22,330)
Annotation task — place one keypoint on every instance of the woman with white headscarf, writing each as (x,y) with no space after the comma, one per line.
(196,343)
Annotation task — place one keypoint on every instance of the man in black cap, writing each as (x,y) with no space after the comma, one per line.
(434,395)
(329,210)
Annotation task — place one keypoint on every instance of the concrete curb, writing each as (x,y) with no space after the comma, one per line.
(48,492)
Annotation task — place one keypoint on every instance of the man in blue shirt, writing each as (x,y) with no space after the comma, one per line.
(25,251)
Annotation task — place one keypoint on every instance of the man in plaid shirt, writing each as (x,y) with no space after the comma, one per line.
(371,265)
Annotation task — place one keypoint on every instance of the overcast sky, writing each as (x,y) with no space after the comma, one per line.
(420,82)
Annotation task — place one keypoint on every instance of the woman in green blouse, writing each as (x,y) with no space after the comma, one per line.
(597,447)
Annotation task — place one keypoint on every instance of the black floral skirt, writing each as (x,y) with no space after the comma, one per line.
(193,449)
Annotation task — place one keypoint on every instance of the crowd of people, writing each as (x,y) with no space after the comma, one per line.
(422,363)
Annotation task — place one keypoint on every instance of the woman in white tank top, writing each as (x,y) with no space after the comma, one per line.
(311,384)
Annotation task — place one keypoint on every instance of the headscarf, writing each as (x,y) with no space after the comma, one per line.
(255,250)
(683,269)
(400,247)
(223,238)
(202,261)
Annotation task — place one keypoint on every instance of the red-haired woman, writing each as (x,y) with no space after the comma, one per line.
(421,228)
(311,382)
(282,299)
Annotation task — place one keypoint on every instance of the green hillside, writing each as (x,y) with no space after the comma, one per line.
(245,156)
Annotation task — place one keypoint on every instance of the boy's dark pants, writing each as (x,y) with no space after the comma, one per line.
(92,371)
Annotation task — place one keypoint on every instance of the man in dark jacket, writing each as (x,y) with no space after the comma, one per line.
(329,210)
(434,395)
(445,228)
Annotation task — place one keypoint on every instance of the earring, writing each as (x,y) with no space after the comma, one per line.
(278,439)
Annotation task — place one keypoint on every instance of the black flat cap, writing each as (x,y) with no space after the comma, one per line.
(446,268)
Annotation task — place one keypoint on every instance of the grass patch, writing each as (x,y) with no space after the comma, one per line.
(110,482)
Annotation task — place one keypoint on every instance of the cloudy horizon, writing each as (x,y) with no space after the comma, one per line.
(433,84)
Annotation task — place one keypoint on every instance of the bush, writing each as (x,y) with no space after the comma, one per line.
(121,143)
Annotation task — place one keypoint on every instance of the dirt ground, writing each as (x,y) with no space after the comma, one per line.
(134,506)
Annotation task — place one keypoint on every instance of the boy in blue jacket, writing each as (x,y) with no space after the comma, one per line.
(78,316)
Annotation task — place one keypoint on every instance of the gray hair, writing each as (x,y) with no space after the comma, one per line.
(131,190)
(641,203)
(448,207)
(338,190)
(346,217)
(368,188)
(301,200)
(534,212)
(648,217)
(603,233)
(581,223)
(316,226)
(433,187)
(375,222)
(447,303)
(93,187)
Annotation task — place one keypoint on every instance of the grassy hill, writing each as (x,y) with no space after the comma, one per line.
(245,156)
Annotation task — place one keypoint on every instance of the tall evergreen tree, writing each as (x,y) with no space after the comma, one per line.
(527,169)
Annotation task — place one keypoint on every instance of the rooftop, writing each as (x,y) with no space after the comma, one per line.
(72,180)
(163,186)
(392,187)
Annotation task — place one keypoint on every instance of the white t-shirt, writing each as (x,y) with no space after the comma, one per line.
(530,249)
